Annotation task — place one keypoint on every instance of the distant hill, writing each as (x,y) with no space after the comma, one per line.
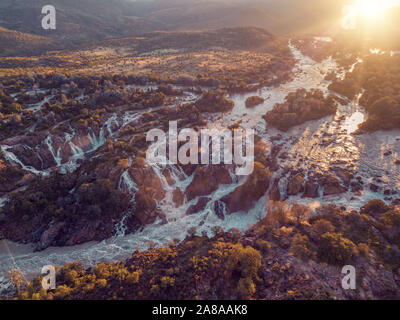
(200,15)
(77,20)
(19,43)
(238,38)
(90,21)
(86,20)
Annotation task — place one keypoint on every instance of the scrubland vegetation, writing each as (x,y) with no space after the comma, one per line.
(285,256)
(299,107)
(73,129)
(52,109)
(377,80)
(246,59)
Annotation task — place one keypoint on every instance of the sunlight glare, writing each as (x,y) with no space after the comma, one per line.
(371,8)
(368,10)
(351,124)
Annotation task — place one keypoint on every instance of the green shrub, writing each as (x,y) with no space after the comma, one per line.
(246,261)
(333,248)
(391,219)
(323,226)
(374,207)
(300,246)
(263,246)
(246,288)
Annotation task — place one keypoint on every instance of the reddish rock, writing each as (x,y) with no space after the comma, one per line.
(275,194)
(146,208)
(50,235)
(26,156)
(144,176)
(167,174)
(356,186)
(188,169)
(295,185)
(199,206)
(82,141)
(87,231)
(66,152)
(206,181)
(373,187)
(178,197)
(343,174)
(311,189)
(331,185)
(244,197)
(219,209)
(251,102)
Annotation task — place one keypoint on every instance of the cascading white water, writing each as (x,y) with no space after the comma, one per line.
(363,152)
(11,157)
(127,183)
(38,106)
(56,155)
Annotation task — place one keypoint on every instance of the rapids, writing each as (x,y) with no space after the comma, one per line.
(318,144)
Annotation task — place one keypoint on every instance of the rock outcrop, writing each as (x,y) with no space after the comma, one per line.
(299,107)
(295,185)
(206,180)
(253,101)
(244,197)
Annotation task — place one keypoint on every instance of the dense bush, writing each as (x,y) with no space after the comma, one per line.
(379,76)
(250,267)
(300,246)
(253,101)
(214,101)
(374,207)
(335,249)
(299,107)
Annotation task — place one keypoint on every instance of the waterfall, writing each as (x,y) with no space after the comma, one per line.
(56,156)
(11,157)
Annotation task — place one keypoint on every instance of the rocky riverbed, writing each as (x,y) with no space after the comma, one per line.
(319,161)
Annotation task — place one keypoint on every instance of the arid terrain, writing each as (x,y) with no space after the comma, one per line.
(77,191)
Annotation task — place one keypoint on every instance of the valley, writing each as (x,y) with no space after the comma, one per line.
(314,85)
(66,144)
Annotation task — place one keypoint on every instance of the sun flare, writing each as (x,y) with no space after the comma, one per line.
(371,8)
(371,12)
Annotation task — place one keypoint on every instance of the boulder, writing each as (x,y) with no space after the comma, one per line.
(295,185)
(275,194)
(144,176)
(373,187)
(26,179)
(206,180)
(219,209)
(199,206)
(178,197)
(47,238)
(244,197)
(146,210)
(343,175)
(253,101)
(331,185)
(356,186)
(311,189)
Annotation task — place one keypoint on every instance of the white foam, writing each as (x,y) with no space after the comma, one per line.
(362,153)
